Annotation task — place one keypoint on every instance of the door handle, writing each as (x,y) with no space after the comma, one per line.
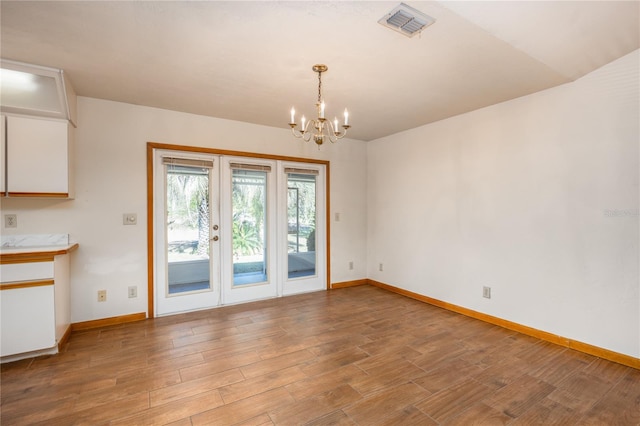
(215,227)
(215,238)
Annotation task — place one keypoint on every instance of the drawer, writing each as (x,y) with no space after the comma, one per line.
(26,271)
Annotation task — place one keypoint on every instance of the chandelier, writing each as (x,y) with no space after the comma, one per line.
(319,128)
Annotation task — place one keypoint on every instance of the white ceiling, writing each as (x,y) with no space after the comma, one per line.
(251,61)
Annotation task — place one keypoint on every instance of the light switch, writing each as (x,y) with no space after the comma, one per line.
(129,219)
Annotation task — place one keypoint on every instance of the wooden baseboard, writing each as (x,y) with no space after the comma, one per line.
(346,284)
(64,339)
(529,331)
(87,325)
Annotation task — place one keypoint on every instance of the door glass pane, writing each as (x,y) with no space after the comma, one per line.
(249,199)
(187,229)
(301,219)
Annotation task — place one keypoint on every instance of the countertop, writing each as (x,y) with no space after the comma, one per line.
(34,253)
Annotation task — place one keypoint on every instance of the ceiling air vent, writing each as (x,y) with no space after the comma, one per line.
(406,20)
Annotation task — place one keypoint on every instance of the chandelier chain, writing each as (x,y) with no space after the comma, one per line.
(319,86)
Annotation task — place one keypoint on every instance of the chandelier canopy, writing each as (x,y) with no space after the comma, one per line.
(319,128)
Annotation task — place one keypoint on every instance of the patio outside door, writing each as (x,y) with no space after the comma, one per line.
(248,190)
(235,229)
(187,236)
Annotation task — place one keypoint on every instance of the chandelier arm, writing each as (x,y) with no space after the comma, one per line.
(335,135)
(295,132)
(343,134)
(331,133)
(306,134)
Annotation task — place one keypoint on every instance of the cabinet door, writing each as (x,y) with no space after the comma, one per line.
(37,157)
(3,147)
(27,320)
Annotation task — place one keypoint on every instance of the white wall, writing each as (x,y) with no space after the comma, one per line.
(536,198)
(110,178)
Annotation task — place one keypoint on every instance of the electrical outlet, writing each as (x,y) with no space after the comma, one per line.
(337,217)
(102,295)
(486,292)
(133,291)
(10,221)
(380,268)
(351,266)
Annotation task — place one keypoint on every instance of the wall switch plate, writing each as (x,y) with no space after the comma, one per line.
(351,266)
(337,217)
(133,291)
(486,292)
(102,295)
(380,267)
(129,219)
(10,221)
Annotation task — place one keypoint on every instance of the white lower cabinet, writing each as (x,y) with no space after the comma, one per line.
(35,310)
(28,320)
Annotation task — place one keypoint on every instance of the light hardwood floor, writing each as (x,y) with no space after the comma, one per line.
(354,356)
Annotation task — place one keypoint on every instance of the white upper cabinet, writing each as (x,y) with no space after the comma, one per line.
(35,90)
(39,107)
(3,151)
(38,157)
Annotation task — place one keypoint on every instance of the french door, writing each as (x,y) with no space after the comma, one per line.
(186,224)
(302,258)
(250,237)
(232,229)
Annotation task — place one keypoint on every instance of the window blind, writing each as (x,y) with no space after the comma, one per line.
(187,162)
(292,170)
(256,167)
